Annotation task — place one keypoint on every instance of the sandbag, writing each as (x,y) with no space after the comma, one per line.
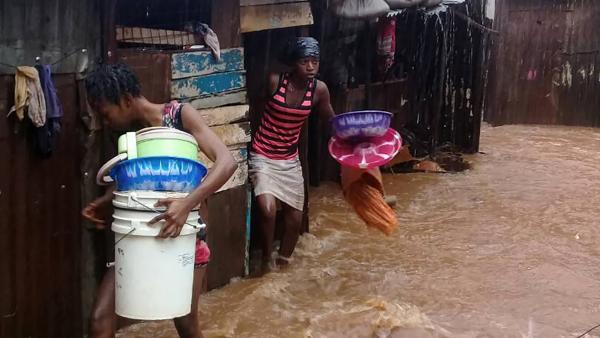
(359,9)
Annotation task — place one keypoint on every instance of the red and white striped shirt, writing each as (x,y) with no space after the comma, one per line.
(279,130)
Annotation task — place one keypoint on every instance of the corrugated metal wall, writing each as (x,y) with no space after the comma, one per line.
(50,29)
(443,56)
(439,97)
(547,64)
(40,199)
(40,224)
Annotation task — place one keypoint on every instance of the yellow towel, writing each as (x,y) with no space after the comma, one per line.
(28,92)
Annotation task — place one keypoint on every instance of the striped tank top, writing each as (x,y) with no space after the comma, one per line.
(277,136)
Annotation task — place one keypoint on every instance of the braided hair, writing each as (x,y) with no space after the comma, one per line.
(108,83)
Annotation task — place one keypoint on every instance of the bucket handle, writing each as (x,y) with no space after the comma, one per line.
(122,238)
(103,178)
(159,212)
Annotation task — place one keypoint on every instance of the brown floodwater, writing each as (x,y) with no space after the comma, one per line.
(510,248)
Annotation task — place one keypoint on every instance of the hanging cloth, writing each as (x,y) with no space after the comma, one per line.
(46,135)
(29,94)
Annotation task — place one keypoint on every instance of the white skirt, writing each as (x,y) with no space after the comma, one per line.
(280,178)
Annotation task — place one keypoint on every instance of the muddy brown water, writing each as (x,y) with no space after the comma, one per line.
(510,248)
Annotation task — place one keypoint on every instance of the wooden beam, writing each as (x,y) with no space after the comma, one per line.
(225,21)
(232,134)
(203,62)
(258,18)
(225,115)
(207,85)
(109,43)
(222,99)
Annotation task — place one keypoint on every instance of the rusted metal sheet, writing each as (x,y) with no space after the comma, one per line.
(153,70)
(50,29)
(40,229)
(265,17)
(203,63)
(546,68)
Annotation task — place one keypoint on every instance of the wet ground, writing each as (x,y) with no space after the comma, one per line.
(510,248)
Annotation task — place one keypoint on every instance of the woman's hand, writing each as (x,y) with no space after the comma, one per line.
(98,211)
(178,210)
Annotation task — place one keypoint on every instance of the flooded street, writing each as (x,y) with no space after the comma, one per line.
(510,248)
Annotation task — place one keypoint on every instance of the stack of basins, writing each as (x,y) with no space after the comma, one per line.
(153,276)
(364,139)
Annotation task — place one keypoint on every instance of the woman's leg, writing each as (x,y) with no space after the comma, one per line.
(292,219)
(104,320)
(268,212)
(188,326)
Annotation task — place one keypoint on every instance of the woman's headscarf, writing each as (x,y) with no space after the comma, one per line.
(300,48)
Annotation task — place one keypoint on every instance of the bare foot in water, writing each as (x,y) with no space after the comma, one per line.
(282,262)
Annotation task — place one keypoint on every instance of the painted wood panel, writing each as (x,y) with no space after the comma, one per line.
(233,133)
(225,115)
(258,18)
(222,99)
(203,62)
(206,85)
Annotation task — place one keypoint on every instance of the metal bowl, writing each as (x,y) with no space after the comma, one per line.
(361,124)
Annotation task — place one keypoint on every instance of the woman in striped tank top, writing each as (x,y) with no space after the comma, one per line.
(275,169)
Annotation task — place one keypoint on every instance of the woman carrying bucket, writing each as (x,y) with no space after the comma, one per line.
(275,169)
(114,92)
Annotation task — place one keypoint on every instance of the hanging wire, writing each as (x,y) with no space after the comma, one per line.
(68,55)
(78,50)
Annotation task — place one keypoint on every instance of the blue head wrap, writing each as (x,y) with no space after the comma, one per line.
(300,48)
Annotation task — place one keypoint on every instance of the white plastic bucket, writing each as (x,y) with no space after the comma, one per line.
(143,199)
(153,276)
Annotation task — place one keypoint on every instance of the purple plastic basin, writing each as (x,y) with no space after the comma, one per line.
(361,124)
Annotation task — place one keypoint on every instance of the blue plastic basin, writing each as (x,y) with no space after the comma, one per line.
(159,174)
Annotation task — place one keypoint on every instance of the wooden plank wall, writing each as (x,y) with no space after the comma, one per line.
(267,15)
(217,90)
(203,63)
(546,64)
(226,22)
